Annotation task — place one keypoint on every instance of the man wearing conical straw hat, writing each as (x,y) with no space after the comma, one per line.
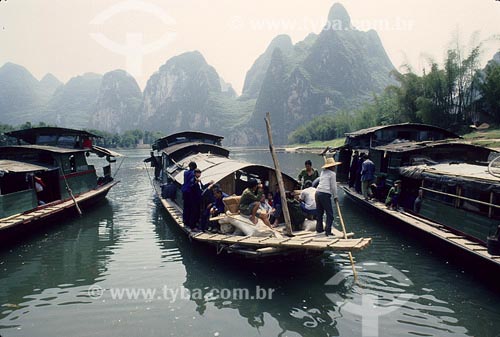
(327,188)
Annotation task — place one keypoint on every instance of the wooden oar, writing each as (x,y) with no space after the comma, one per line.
(345,237)
(279,177)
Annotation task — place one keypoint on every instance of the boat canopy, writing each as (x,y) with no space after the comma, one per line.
(13,166)
(49,135)
(216,168)
(408,146)
(39,148)
(383,135)
(476,176)
(186,137)
(101,152)
(178,151)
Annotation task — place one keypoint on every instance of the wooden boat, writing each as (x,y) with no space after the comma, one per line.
(47,175)
(459,195)
(174,153)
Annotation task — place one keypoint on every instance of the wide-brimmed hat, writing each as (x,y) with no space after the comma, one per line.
(329,162)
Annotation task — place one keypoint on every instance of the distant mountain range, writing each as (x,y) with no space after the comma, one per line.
(337,69)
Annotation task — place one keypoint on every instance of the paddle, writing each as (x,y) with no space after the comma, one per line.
(345,237)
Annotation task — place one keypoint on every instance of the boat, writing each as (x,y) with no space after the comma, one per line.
(170,158)
(46,175)
(457,188)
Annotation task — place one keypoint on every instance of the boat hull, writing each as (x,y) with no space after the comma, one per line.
(18,228)
(463,250)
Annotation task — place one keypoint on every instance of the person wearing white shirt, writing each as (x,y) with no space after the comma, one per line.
(327,188)
(308,199)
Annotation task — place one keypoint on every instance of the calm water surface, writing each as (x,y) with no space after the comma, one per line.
(128,243)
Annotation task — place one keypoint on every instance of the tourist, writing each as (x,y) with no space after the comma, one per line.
(308,200)
(327,188)
(367,177)
(250,202)
(307,174)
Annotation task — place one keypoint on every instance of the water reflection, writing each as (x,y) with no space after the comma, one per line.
(43,270)
(300,302)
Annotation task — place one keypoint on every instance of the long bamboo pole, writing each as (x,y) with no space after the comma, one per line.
(71,192)
(279,177)
(345,237)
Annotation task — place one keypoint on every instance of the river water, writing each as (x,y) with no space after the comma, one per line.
(145,278)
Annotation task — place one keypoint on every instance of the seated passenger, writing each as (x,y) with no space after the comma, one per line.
(250,202)
(308,200)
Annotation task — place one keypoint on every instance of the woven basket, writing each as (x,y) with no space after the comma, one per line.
(232,203)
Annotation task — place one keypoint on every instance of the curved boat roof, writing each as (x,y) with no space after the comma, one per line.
(415,126)
(39,148)
(415,146)
(30,136)
(179,151)
(215,167)
(15,166)
(186,137)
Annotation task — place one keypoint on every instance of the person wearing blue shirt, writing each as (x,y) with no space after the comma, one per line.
(186,190)
(367,177)
(197,188)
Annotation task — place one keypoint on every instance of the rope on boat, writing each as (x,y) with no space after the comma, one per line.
(118,169)
(70,192)
(150,179)
(490,165)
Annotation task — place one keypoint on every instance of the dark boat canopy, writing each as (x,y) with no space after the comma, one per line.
(187,137)
(48,135)
(38,148)
(473,176)
(182,150)
(382,135)
(419,146)
(14,166)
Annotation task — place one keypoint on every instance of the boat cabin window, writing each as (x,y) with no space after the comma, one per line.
(46,140)
(440,187)
(478,195)
(14,182)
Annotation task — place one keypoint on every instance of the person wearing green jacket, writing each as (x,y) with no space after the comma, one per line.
(250,202)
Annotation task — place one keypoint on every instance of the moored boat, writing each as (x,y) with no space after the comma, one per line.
(237,236)
(47,175)
(448,188)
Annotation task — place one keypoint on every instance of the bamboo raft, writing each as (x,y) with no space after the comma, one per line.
(51,209)
(437,230)
(302,240)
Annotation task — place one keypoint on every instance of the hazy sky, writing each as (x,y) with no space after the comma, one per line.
(71,37)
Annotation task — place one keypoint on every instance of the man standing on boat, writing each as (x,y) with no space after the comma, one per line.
(367,176)
(250,202)
(327,188)
(186,192)
(196,192)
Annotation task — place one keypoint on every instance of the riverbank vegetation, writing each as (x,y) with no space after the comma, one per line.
(454,96)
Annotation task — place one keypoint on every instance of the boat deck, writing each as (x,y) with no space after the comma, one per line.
(50,209)
(302,239)
(437,230)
